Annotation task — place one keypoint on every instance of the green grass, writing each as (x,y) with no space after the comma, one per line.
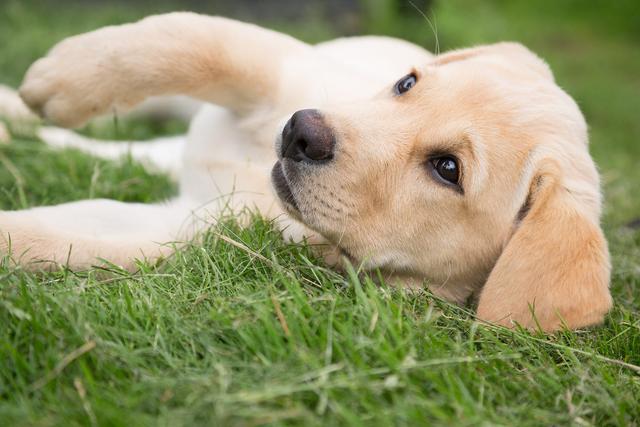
(259,331)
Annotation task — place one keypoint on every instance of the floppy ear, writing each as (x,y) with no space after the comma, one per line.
(554,270)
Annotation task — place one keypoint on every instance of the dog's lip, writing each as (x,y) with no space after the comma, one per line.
(282,187)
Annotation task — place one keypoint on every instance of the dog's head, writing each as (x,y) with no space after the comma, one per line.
(471,173)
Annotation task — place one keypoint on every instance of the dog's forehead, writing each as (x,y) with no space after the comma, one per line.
(486,72)
(493,95)
(512,57)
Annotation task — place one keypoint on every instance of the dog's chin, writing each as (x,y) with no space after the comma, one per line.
(288,201)
(283,190)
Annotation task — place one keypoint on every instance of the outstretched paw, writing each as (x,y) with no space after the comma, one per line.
(78,79)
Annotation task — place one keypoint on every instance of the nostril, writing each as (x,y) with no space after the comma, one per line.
(302,145)
(296,150)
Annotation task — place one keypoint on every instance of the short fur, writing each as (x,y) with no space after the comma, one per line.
(524,234)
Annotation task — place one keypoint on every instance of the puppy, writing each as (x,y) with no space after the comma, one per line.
(468,171)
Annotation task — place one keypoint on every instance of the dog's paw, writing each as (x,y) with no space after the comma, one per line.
(77,80)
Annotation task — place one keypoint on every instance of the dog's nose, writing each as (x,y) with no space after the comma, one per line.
(306,137)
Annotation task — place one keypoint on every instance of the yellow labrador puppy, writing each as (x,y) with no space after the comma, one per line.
(467,171)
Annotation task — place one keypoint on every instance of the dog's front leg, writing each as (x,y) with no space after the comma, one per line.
(214,59)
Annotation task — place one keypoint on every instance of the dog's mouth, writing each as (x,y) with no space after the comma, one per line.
(283,188)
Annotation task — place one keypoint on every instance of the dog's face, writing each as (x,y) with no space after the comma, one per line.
(471,170)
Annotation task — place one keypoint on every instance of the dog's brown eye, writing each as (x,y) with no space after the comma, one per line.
(447,169)
(405,83)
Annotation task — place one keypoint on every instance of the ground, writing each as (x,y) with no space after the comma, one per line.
(245,329)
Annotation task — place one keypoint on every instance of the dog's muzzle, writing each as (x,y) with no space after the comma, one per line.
(306,141)
(282,187)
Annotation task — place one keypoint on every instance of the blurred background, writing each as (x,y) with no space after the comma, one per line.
(592,46)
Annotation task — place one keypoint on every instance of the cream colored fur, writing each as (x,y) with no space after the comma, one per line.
(524,235)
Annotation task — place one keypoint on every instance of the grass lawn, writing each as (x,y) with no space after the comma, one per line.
(218,335)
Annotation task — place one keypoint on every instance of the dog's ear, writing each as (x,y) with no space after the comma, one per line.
(554,270)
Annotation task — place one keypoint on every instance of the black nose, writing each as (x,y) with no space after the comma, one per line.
(306,137)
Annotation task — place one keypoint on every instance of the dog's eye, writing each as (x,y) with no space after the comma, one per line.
(446,167)
(405,83)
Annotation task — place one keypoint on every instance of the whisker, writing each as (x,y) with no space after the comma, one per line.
(433,25)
